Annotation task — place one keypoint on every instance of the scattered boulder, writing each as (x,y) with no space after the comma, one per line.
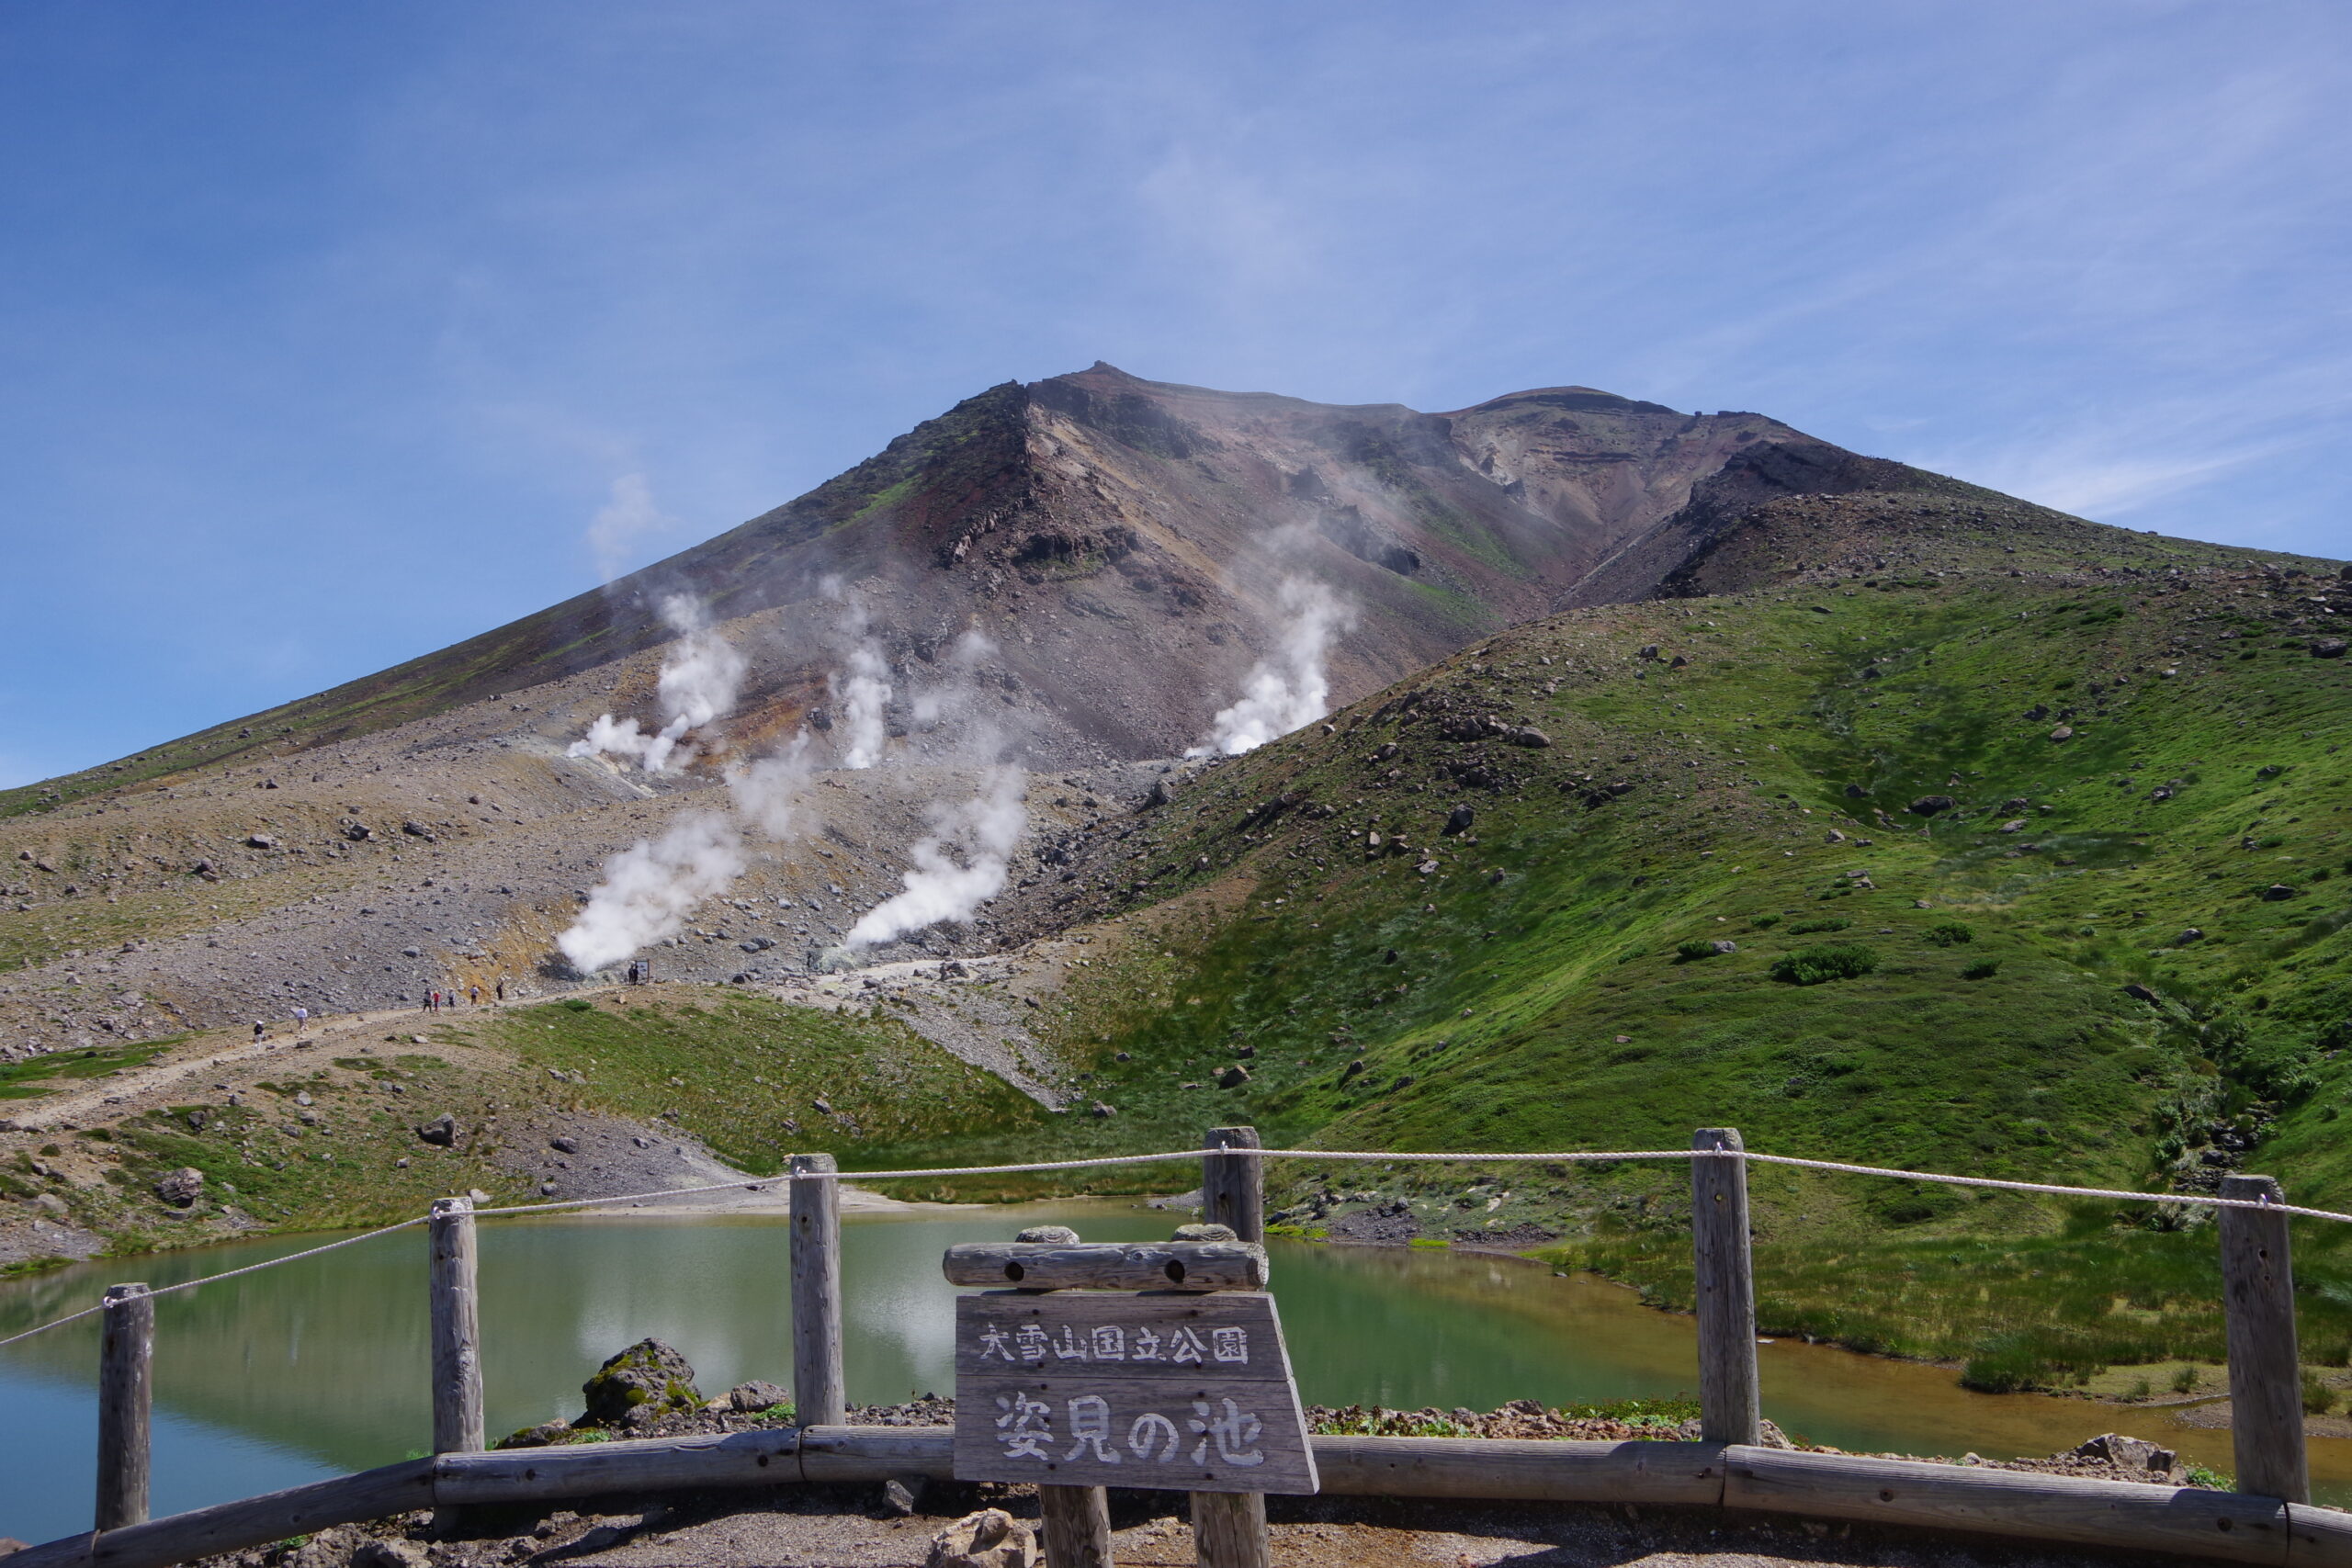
(417,830)
(1459,819)
(2129,1453)
(2063,732)
(989,1539)
(2277,893)
(899,1496)
(1721,946)
(442,1131)
(390,1554)
(564,1146)
(1056,1236)
(1529,736)
(2328,648)
(1203,1232)
(359,832)
(757,1394)
(181,1187)
(1233,1076)
(647,1381)
(261,840)
(2190,934)
(1929,805)
(1649,651)
(2139,992)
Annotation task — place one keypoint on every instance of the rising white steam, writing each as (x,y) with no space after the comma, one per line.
(864,691)
(650,889)
(700,676)
(628,518)
(770,793)
(1289,689)
(958,865)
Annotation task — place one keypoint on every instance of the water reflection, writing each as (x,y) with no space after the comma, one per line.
(320,1367)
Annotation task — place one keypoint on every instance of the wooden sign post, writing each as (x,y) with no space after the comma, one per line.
(1183,1387)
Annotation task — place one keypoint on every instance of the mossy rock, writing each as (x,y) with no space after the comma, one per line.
(644,1382)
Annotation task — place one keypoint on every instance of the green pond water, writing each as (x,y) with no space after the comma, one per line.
(318,1368)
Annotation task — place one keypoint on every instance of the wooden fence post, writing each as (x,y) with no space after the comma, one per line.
(458,1421)
(126,1396)
(2265,1367)
(456,1330)
(1724,1282)
(1233,1187)
(818,1396)
(1230,1528)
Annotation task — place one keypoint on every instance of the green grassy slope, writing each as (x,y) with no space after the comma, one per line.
(1486,996)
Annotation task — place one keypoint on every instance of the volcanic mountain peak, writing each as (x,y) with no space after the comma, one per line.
(1128,551)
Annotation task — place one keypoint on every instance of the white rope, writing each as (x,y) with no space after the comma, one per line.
(1580,1156)
(2197,1197)
(226,1274)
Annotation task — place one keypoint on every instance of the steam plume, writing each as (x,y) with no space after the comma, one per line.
(630,515)
(769,792)
(959,864)
(650,889)
(864,691)
(700,676)
(1289,689)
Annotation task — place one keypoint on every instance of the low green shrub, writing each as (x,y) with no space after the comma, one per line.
(1983,969)
(1812,965)
(1685,951)
(1806,928)
(1950,934)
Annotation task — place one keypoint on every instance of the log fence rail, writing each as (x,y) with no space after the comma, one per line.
(2269,1519)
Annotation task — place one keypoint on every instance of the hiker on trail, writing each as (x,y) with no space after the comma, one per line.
(436,1001)
(257,1031)
(301,1019)
(473,994)
(502,988)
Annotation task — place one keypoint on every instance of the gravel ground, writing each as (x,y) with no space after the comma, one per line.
(865,1526)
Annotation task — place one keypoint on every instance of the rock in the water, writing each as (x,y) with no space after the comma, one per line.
(1203,1232)
(757,1394)
(1058,1235)
(647,1381)
(989,1539)
(442,1130)
(182,1187)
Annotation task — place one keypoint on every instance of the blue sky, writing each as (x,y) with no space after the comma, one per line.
(331,335)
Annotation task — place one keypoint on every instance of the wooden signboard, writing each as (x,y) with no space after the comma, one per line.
(1164,1391)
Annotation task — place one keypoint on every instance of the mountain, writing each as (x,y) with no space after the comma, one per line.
(1122,545)
(1622,684)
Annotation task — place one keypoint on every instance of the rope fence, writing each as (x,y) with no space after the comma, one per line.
(1570,1157)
